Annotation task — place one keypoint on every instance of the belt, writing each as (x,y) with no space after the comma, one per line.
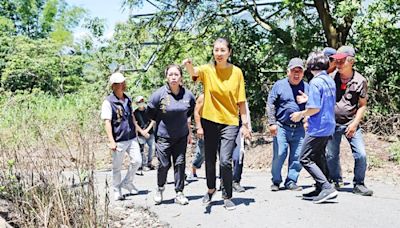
(291,125)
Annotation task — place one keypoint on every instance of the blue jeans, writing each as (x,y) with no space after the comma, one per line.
(237,158)
(292,139)
(357,148)
(150,142)
(199,154)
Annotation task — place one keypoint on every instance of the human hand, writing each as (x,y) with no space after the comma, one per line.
(112,146)
(296,116)
(302,98)
(187,62)
(351,130)
(273,129)
(200,133)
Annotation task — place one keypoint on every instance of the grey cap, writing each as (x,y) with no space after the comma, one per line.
(343,52)
(296,62)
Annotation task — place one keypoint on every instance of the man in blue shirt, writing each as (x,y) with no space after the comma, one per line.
(320,108)
(287,96)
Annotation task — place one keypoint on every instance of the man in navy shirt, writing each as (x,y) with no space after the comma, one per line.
(320,108)
(287,96)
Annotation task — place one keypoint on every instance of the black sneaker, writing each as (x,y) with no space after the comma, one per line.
(362,190)
(229,204)
(208,197)
(275,187)
(237,187)
(293,187)
(325,194)
(311,195)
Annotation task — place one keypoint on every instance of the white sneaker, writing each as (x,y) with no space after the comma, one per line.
(181,199)
(118,195)
(131,188)
(158,197)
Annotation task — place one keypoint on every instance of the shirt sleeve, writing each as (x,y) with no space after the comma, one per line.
(314,97)
(106,111)
(200,73)
(242,90)
(271,109)
(153,106)
(192,105)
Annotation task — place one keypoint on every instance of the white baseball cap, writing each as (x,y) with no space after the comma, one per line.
(116,78)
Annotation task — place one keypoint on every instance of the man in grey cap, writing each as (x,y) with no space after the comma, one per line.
(351,104)
(287,96)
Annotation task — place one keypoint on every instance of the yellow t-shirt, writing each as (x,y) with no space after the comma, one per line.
(223,90)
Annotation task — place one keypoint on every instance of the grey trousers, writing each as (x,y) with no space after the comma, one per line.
(167,148)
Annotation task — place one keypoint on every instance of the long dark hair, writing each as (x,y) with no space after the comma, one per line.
(228,44)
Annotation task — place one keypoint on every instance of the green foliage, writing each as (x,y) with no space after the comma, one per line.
(394,151)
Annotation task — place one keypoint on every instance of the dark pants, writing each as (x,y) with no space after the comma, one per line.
(165,149)
(311,152)
(222,136)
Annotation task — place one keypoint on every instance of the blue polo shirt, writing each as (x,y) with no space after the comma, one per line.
(322,95)
(282,101)
(171,111)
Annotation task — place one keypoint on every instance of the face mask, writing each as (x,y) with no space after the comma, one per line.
(141,105)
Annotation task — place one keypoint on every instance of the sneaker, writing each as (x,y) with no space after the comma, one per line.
(338,184)
(158,197)
(325,194)
(208,197)
(131,188)
(118,195)
(293,187)
(311,195)
(275,187)
(151,167)
(362,190)
(145,168)
(181,199)
(229,204)
(237,187)
(192,177)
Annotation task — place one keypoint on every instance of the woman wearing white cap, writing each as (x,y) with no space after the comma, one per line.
(120,125)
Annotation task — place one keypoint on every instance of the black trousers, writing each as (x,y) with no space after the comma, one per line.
(311,153)
(219,139)
(167,148)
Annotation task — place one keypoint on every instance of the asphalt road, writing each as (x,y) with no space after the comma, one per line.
(259,207)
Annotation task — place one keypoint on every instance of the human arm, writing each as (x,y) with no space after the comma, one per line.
(245,124)
(112,144)
(297,116)
(197,116)
(188,63)
(352,128)
(271,111)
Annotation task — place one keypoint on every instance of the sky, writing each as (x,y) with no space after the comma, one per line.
(110,10)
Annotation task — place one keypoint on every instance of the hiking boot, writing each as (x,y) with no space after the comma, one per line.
(362,190)
(118,195)
(131,188)
(229,204)
(208,197)
(237,187)
(158,197)
(275,187)
(293,187)
(311,195)
(325,194)
(181,199)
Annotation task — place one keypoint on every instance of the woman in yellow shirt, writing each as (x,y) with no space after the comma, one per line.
(224,98)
